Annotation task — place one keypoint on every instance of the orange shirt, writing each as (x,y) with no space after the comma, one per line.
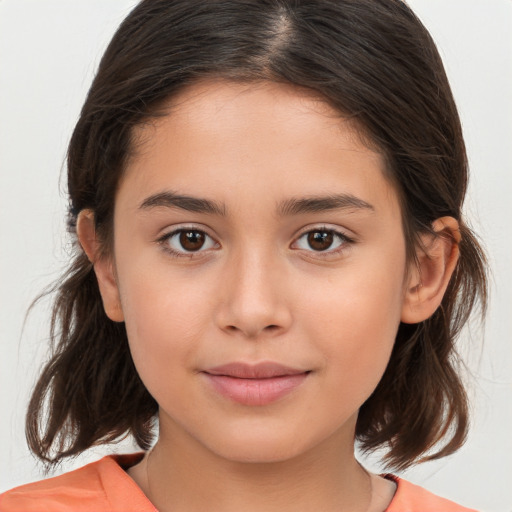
(104,486)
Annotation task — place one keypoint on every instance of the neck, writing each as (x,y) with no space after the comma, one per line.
(185,476)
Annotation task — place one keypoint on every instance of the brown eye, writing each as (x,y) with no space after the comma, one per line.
(192,240)
(328,241)
(320,240)
(183,242)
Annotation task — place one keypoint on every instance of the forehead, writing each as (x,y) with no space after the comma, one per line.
(248,107)
(219,136)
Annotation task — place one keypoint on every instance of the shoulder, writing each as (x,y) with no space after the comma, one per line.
(413,498)
(102,485)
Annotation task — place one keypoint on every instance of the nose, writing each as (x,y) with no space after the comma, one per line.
(253,300)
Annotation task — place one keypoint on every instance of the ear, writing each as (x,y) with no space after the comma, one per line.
(428,279)
(103,266)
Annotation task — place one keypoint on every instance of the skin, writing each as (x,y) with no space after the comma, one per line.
(258,291)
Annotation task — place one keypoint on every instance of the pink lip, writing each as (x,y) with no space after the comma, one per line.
(258,384)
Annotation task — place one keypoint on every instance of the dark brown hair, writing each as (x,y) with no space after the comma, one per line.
(373,61)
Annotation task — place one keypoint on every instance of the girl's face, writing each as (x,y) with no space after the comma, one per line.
(260,266)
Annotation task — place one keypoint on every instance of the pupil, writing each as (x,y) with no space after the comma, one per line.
(191,240)
(320,240)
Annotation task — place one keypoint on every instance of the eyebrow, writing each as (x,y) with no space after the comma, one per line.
(292,206)
(295,206)
(170,199)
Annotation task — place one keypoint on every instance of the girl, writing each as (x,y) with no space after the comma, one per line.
(272,262)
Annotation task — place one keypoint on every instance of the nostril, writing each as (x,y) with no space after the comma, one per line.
(272,328)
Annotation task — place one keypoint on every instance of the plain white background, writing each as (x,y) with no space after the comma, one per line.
(49,50)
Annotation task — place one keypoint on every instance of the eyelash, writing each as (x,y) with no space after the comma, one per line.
(343,239)
(164,242)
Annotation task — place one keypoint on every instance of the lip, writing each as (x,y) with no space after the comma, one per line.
(255,384)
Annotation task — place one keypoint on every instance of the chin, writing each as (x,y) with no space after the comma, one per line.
(261,446)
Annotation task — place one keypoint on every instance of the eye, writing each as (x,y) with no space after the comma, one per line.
(182,242)
(321,240)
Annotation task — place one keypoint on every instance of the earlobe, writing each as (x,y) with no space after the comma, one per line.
(428,279)
(103,266)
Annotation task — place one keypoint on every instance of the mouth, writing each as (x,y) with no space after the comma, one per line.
(258,384)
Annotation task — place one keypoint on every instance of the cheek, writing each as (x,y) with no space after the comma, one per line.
(354,319)
(164,319)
